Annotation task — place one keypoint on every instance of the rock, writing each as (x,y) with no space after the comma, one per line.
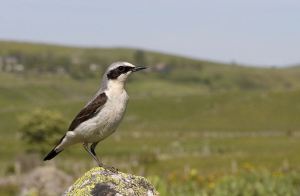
(47,180)
(99,181)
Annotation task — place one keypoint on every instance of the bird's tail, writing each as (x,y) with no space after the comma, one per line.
(51,154)
(54,152)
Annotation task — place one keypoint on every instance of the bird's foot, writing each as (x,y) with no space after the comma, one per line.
(106,167)
(110,168)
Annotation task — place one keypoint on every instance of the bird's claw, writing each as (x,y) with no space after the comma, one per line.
(112,169)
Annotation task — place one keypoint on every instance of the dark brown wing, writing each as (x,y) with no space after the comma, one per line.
(89,111)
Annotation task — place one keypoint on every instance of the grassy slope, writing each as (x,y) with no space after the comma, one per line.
(208,76)
(199,115)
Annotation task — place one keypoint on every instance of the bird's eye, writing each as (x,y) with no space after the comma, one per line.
(121,68)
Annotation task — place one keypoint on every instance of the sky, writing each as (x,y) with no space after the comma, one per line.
(252,32)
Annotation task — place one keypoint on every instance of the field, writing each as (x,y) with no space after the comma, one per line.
(193,131)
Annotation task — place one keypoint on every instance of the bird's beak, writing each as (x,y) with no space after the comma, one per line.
(138,69)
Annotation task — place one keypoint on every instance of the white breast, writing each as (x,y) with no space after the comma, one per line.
(107,120)
(115,108)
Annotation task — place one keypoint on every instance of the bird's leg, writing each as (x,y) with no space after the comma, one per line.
(92,148)
(93,154)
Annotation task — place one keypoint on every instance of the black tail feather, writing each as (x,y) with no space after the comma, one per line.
(51,155)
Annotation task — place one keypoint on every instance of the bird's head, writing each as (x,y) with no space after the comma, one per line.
(121,70)
(118,72)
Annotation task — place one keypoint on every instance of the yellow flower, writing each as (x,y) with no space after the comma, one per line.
(211,185)
(248,166)
(193,173)
(277,174)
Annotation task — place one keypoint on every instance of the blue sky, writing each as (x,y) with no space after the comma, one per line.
(256,32)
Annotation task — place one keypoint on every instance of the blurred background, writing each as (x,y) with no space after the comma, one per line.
(218,112)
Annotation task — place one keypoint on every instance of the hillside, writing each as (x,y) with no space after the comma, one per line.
(82,63)
(184,115)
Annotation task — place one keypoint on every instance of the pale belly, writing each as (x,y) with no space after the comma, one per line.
(103,124)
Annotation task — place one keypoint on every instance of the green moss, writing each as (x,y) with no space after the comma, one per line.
(125,184)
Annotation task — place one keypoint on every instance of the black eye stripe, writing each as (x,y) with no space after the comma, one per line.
(124,69)
(121,68)
(113,74)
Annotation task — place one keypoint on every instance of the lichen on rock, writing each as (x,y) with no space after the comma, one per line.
(100,181)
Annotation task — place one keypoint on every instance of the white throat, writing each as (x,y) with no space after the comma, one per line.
(115,85)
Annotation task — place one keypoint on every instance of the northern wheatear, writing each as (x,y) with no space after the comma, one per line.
(102,114)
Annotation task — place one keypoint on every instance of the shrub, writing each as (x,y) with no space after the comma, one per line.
(41,129)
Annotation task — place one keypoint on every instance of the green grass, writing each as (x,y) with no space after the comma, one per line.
(203,116)
(245,126)
(248,181)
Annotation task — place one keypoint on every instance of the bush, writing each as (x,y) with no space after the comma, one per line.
(41,129)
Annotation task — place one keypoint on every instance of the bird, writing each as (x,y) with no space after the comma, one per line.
(101,116)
